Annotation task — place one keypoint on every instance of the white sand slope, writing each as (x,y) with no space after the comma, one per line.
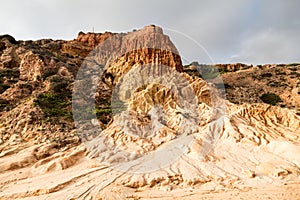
(256,156)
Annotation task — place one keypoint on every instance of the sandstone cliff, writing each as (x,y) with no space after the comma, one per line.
(166,130)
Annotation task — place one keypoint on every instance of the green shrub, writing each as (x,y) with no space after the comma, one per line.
(58,84)
(270,98)
(100,111)
(210,75)
(293,64)
(3,87)
(295,73)
(276,84)
(10,73)
(26,85)
(266,75)
(222,85)
(54,105)
(49,73)
(209,71)
(293,69)
(3,104)
(103,114)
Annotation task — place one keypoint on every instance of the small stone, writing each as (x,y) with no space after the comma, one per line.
(95,122)
(249,173)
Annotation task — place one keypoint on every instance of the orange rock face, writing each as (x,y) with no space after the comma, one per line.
(93,39)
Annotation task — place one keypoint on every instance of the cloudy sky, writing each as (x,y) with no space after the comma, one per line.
(248,31)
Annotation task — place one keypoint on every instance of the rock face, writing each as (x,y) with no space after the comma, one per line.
(233,67)
(123,52)
(163,126)
(93,39)
(84,43)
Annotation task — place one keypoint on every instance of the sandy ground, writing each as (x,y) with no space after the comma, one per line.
(70,174)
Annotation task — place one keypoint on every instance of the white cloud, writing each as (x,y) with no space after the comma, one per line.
(224,28)
(269,47)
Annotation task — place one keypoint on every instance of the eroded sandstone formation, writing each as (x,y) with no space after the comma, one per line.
(165,127)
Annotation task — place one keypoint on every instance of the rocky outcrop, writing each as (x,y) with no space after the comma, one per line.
(232,67)
(93,39)
(84,43)
(119,53)
(34,66)
(8,38)
(9,58)
(146,46)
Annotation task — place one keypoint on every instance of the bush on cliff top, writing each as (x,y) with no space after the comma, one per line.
(270,98)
